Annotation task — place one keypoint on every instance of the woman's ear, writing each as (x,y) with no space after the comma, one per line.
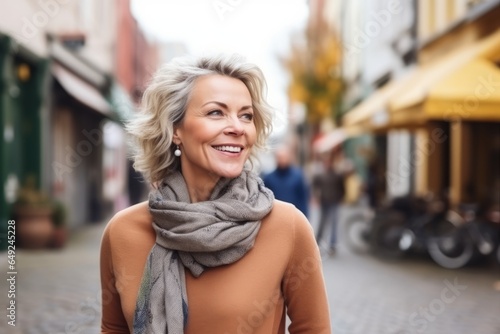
(175,138)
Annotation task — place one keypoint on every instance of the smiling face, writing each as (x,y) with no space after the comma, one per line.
(216,134)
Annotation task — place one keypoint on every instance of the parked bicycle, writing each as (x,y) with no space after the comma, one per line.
(406,225)
(493,216)
(466,234)
(357,229)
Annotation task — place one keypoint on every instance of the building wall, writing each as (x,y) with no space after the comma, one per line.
(26,22)
(353,52)
(137,55)
(29,22)
(378,39)
(436,16)
(147,60)
(461,170)
(448,25)
(125,46)
(21,94)
(91,27)
(386,40)
(136,59)
(98,23)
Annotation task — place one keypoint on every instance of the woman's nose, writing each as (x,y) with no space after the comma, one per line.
(235,127)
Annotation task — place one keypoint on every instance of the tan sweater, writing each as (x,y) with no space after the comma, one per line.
(282,272)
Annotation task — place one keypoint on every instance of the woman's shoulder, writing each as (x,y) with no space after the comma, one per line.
(287,231)
(132,222)
(137,214)
(283,209)
(286,219)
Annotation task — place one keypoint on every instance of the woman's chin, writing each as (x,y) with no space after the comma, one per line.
(230,173)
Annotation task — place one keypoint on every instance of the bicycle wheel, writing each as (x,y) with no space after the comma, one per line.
(388,229)
(357,230)
(451,246)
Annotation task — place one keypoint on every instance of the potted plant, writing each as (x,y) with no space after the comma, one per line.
(60,234)
(33,212)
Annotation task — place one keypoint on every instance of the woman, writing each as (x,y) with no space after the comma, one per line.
(212,251)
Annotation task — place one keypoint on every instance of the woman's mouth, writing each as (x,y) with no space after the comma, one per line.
(228,148)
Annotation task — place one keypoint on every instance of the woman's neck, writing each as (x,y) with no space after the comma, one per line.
(200,188)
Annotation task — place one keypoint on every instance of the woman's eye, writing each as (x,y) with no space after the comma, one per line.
(248,116)
(215,113)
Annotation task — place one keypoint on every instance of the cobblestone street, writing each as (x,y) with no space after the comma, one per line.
(409,296)
(58,292)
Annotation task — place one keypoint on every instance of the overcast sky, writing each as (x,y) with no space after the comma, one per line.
(258,29)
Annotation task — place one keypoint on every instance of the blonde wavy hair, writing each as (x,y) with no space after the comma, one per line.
(164,105)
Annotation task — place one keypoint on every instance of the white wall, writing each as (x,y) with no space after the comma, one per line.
(352,18)
(399,163)
(29,22)
(25,22)
(386,27)
(375,34)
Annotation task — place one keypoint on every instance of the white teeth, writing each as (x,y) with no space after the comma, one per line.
(232,149)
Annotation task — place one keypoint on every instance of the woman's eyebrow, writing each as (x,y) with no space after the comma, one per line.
(246,107)
(223,105)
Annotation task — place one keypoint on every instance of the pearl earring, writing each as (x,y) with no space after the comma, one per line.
(177,152)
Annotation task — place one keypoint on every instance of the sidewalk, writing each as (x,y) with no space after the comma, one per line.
(57,291)
(413,295)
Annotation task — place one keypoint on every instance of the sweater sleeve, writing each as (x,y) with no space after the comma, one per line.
(113,320)
(303,286)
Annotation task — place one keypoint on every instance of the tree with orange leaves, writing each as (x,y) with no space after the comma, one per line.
(315,73)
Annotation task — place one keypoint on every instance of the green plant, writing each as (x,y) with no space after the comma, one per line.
(30,196)
(58,214)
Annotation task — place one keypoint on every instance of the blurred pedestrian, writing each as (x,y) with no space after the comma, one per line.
(373,184)
(212,245)
(329,189)
(287,181)
(352,184)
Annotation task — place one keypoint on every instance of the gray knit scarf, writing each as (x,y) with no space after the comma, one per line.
(195,236)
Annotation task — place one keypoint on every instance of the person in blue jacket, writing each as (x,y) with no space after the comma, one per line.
(288,182)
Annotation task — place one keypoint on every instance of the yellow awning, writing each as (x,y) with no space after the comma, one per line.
(436,91)
(440,89)
(471,93)
(372,113)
